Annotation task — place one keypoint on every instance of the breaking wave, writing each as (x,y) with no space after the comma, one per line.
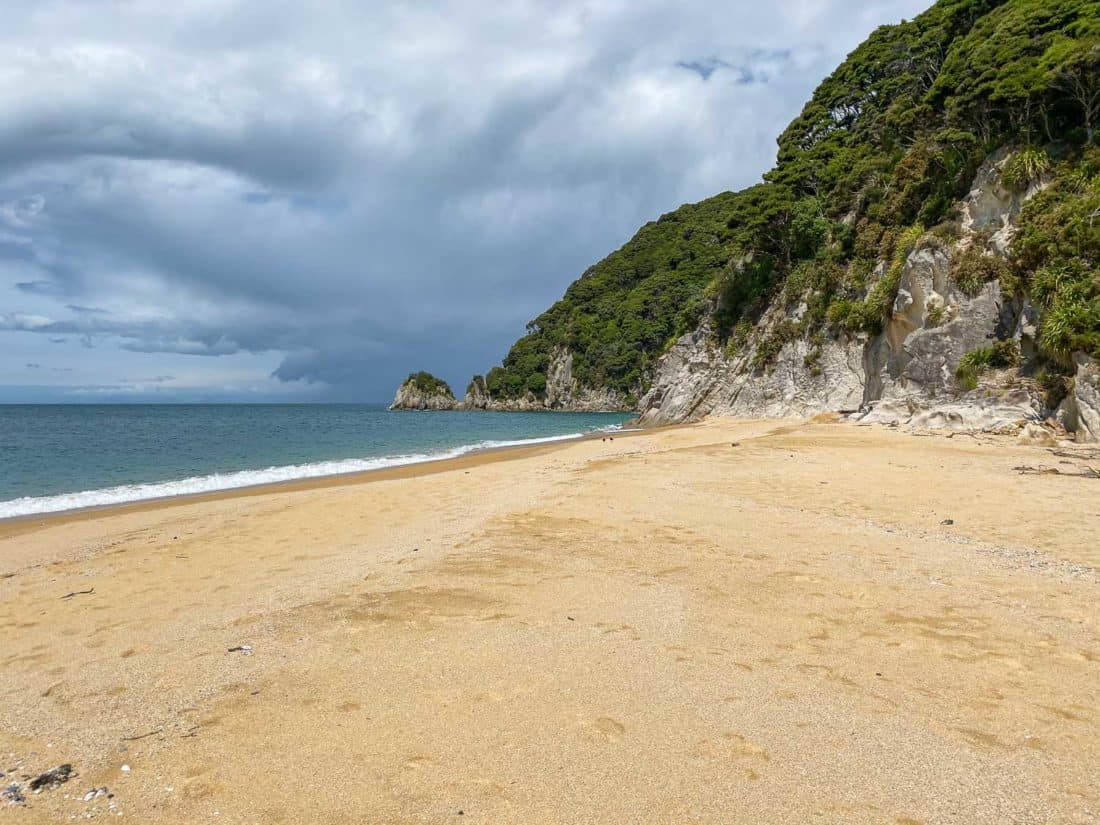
(125,493)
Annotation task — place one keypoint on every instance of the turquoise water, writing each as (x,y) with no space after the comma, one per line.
(59,457)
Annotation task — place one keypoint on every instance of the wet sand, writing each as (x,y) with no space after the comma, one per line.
(664,628)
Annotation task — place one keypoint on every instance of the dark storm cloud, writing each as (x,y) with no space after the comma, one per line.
(358,190)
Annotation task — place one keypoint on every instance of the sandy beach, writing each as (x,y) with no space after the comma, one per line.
(733,622)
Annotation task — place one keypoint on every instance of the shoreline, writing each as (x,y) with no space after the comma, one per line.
(21,524)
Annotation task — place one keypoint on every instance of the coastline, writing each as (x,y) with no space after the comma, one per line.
(727,622)
(16,525)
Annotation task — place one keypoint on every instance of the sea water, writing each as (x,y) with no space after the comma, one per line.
(61,457)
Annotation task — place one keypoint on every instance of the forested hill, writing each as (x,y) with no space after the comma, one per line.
(879,156)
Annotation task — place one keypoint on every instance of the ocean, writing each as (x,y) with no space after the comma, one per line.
(61,457)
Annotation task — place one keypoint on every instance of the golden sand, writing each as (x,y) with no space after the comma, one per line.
(664,628)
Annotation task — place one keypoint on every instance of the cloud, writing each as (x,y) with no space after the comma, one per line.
(23,322)
(40,287)
(704,68)
(246,181)
(746,66)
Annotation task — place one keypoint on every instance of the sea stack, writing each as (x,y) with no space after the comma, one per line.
(423,391)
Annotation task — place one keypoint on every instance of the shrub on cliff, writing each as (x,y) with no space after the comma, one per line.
(1057,254)
(975,268)
(998,355)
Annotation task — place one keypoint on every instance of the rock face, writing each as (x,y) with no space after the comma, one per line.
(993,207)
(1086,398)
(423,391)
(906,373)
(695,380)
(477,394)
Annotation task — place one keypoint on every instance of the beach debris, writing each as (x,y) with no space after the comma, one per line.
(1085,454)
(13,794)
(244,650)
(51,778)
(735,443)
(1085,472)
(570,618)
(141,736)
(96,793)
(87,592)
(125,769)
(948,521)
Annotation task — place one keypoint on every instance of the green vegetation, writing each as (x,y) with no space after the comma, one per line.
(1057,254)
(998,355)
(1025,168)
(974,268)
(877,158)
(619,316)
(428,384)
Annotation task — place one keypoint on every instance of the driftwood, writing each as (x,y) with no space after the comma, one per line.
(141,736)
(1085,472)
(78,593)
(1086,454)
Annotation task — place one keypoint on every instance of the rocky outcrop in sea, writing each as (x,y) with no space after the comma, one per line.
(423,391)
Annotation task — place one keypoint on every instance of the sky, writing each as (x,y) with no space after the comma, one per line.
(227,200)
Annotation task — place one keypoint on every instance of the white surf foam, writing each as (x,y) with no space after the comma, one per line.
(125,493)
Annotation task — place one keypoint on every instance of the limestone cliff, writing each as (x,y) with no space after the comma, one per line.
(423,391)
(907,372)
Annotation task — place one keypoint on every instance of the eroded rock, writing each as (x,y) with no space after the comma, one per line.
(423,391)
(1086,398)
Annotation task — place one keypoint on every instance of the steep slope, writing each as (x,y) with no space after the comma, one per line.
(939,194)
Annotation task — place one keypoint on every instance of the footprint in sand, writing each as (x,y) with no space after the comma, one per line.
(735,748)
(608,730)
